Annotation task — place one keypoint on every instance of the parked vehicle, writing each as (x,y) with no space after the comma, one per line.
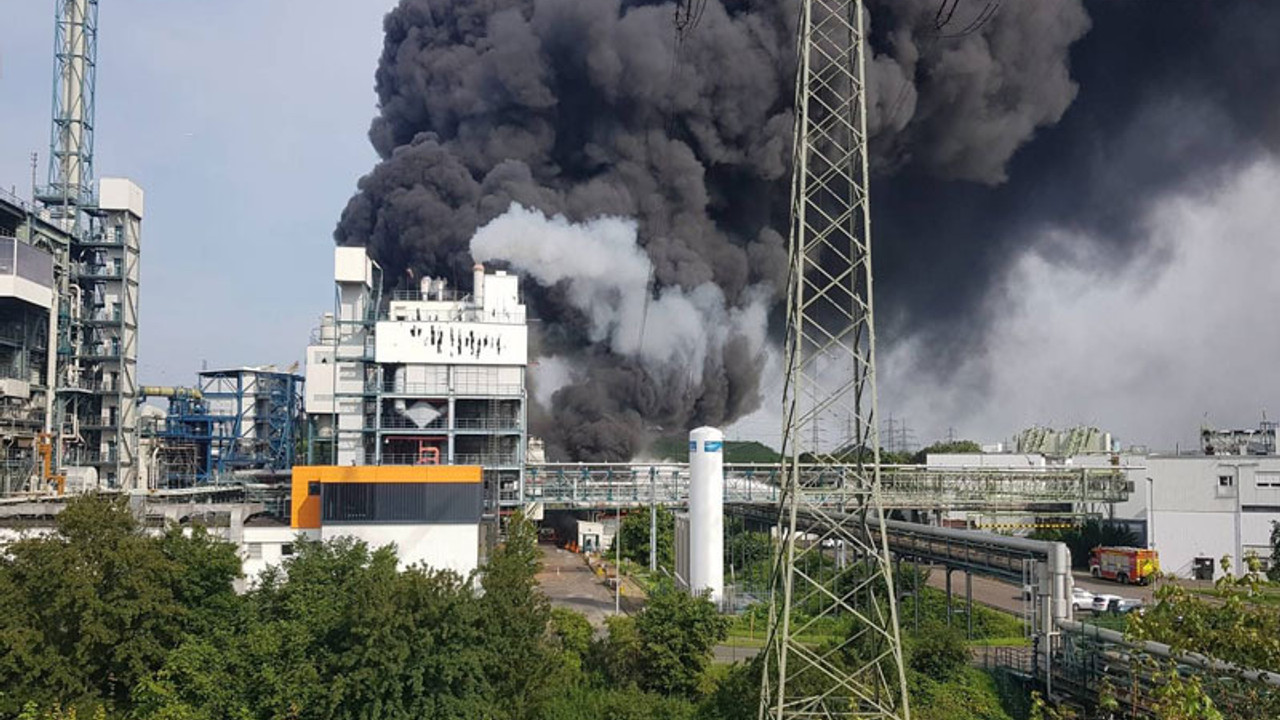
(1124,564)
(1102,601)
(1124,606)
(1081,599)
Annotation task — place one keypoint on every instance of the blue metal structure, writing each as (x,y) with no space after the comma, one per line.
(258,418)
(241,421)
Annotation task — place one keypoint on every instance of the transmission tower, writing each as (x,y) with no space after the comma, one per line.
(833,562)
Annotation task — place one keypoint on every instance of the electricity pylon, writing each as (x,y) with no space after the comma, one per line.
(833,567)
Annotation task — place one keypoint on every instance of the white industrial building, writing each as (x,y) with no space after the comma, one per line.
(427,376)
(1193,509)
(1199,508)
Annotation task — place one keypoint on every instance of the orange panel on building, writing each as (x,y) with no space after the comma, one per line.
(305,491)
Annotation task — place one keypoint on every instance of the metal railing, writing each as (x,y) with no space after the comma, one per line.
(486,423)
(412,389)
(105,238)
(442,387)
(101,271)
(484,460)
(400,422)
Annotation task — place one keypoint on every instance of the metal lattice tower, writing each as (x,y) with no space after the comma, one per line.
(75,71)
(843,576)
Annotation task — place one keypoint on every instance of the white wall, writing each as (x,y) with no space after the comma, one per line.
(443,547)
(266,546)
(971,460)
(1194,515)
(601,531)
(1183,536)
(446,343)
(318,397)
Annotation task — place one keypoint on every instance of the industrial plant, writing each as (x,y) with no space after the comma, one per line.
(408,423)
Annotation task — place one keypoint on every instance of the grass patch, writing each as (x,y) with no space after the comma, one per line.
(1107,621)
(987,622)
(1018,641)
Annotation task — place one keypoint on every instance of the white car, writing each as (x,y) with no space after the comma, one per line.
(1081,600)
(1102,601)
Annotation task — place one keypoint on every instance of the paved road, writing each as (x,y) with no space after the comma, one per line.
(1008,597)
(1139,592)
(569,582)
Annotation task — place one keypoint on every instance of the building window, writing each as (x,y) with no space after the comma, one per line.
(1267,479)
(1226,481)
(286,549)
(255,551)
(372,503)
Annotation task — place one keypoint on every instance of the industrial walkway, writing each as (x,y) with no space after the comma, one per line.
(612,485)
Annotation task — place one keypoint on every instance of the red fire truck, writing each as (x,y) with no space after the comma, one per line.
(1124,564)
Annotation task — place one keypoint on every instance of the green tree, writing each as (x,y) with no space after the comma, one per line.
(616,656)
(517,615)
(1235,627)
(937,652)
(737,695)
(635,537)
(956,447)
(571,633)
(95,606)
(677,633)
(596,702)
(336,633)
(1083,538)
(748,556)
(1273,571)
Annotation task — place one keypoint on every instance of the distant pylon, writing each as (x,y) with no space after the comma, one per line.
(833,562)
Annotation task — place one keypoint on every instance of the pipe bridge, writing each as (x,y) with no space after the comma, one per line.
(613,485)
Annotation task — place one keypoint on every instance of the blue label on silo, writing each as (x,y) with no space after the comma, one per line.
(712,445)
(693,446)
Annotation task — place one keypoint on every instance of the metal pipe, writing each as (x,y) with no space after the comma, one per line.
(968,598)
(948,597)
(1162,650)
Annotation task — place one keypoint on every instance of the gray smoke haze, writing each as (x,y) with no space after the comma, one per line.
(1176,99)
(592,109)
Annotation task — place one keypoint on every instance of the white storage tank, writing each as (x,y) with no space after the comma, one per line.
(706,512)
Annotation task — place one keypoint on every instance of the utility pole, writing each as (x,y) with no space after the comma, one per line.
(653,520)
(617,563)
(830,329)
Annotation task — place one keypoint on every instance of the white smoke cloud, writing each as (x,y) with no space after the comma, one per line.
(608,275)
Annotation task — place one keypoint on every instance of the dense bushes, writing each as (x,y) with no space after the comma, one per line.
(104,618)
(118,623)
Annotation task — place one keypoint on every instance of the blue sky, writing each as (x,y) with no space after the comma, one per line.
(244,122)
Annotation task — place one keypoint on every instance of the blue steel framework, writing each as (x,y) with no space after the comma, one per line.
(261,432)
(237,421)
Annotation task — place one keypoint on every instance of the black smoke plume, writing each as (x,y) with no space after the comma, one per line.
(601,108)
(1172,96)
